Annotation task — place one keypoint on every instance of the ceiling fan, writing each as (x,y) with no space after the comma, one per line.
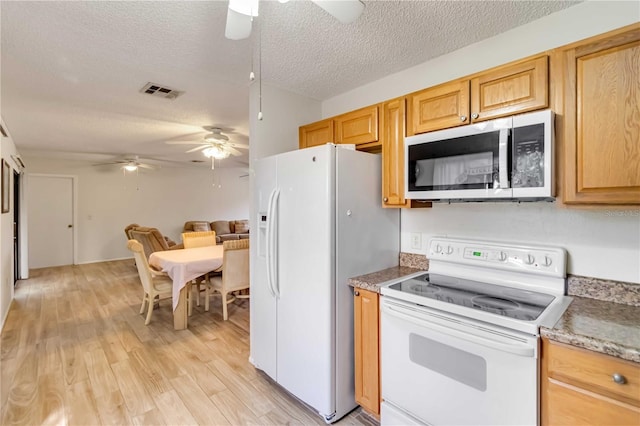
(241,13)
(214,145)
(130,164)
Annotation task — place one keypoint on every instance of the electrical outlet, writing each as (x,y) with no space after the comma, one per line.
(416,240)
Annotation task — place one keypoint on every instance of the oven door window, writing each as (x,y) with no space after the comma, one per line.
(467,162)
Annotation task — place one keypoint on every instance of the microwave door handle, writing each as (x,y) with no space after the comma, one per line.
(503,152)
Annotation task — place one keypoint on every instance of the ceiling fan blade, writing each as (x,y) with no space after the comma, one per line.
(237,145)
(345,11)
(238,25)
(232,150)
(110,163)
(147,166)
(197,148)
(183,142)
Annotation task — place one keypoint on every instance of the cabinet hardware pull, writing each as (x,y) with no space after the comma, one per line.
(356,293)
(619,378)
(385,199)
(463,118)
(474,115)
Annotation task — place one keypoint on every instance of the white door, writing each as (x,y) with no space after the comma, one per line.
(263,302)
(50,220)
(305,276)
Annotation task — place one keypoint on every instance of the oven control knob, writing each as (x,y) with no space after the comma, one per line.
(449,249)
(529,259)
(547,261)
(438,248)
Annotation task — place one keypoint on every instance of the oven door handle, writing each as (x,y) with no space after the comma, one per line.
(516,349)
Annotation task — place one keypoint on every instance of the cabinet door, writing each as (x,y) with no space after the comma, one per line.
(577,387)
(602,121)
(358,127)
(318,133)
(439,107)
(571,405)
(392,124)
(511,89)
(367,350)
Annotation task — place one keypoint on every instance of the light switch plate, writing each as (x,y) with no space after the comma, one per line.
(416,240)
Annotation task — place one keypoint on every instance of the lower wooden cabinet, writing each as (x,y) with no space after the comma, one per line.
(367,350)
(581,387)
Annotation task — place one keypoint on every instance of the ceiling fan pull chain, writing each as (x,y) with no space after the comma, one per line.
(260,70)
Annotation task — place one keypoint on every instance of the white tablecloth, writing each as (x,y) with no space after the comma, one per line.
(186,264)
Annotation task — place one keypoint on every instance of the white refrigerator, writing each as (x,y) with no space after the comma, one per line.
(320,221)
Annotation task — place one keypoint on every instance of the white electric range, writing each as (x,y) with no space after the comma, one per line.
(459,344)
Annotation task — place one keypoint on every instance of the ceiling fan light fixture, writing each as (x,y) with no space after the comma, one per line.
(215,152)
(131,167)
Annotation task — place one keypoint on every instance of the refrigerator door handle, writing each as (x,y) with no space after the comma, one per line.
(269,237)
(274,240)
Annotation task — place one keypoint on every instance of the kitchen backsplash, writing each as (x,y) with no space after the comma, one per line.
(607,290)
(413,260)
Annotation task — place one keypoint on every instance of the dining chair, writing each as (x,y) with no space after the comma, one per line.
(199,239)
(155,284)
(235,275)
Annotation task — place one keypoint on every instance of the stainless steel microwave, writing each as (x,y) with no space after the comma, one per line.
(505,158)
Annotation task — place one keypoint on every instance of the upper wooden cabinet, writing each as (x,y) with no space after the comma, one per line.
(439,107)
(318,133)
(602,119)
(392,124)
(510,89)
(581,387)
(357,127)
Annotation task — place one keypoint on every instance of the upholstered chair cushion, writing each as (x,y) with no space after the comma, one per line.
(221,227)
(242,226)
(201,227)
(191,226)
(228,237)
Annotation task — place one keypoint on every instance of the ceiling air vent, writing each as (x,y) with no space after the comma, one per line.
(154,89)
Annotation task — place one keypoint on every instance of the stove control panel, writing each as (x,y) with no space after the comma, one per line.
(522,258)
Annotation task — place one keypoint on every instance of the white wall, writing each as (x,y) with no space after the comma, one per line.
(164,198)
(601,242)
(283,112)
(7,150)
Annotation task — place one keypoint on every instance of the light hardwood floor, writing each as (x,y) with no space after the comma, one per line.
(74,350)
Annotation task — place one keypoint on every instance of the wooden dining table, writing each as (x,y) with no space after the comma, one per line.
(182,266)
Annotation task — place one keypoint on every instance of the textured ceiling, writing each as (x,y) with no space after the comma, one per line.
(72,71)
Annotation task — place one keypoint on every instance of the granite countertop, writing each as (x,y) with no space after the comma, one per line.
(375,280)
(604,316)
(601,326)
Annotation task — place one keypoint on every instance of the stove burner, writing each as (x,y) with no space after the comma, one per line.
(424,288)
(496,305)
